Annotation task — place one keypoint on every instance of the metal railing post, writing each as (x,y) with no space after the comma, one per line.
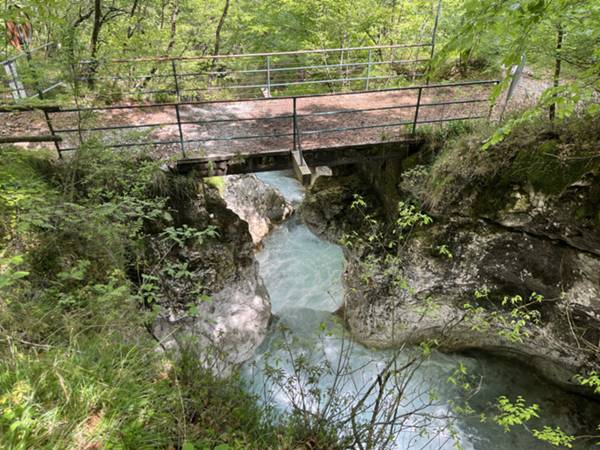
(51,128)
(492,105)
(175,79)
(16,88)
(433,41)
(368,71)
(295,124)
(181,142)
(268,76)
(414,130)
(297,141)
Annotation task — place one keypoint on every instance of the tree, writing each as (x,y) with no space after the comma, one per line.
(512,28)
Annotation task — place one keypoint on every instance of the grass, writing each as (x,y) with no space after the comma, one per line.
(78,367)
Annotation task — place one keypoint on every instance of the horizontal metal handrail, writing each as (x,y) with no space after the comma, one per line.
(264,137)
(451,119)
(385,108)
(241,138)
(23,138)
(58,109)
(362,127)
(22,54)
(128,145)
(264,86)
(173,142)
(170,124)
(256,55)
(262,71)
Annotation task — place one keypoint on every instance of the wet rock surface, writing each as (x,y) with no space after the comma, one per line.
(257,203)
(211,295)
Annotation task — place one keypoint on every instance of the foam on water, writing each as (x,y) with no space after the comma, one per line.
(302,271)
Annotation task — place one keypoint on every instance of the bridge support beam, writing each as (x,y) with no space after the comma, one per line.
(304,168)
(301,169)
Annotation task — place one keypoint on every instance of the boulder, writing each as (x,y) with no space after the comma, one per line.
(211,296)
(257,203)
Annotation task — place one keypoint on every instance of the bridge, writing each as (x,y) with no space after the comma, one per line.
(270,126)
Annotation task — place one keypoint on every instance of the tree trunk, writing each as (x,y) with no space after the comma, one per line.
(170,45)
(94,42)
(173,34)
(560,34)
(218,34)
(131,29)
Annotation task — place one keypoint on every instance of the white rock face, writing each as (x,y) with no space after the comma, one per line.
(228,327)
(257,203)
(219,308)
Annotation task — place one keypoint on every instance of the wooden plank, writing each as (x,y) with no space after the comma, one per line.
(17,139)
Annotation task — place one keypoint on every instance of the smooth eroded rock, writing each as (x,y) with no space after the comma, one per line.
(257,203)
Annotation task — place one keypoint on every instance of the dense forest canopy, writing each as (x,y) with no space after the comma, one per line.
(559,38)
(137,28)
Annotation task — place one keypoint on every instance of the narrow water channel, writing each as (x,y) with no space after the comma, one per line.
(303,276)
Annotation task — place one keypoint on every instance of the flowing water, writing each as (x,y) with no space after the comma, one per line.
(303,276)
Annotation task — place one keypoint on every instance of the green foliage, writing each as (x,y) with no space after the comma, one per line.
(409,217)
(8,276)
(378,240)
(554,436)
(510,414)
(78,368)
(217,182)
(183,235)
(529,26)
(517,413)
(513,325)
(444,251)
(460,377)
(330,410)
(592,380)
(549,157)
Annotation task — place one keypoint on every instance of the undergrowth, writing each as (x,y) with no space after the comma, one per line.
(78,367)
(546,156)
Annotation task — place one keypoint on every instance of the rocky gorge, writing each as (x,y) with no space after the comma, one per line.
(214,298)
(482,262)
(510,264)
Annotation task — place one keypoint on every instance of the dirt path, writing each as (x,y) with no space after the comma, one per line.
(252,126)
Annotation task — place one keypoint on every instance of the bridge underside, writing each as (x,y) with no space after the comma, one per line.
(286,160)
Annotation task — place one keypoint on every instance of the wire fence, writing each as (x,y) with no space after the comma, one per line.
(38,72)
(258,74)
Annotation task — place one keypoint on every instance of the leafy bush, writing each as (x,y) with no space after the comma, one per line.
(77,367)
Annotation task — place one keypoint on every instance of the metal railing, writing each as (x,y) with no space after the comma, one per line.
(296,123)
(22,76)
(257,74)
